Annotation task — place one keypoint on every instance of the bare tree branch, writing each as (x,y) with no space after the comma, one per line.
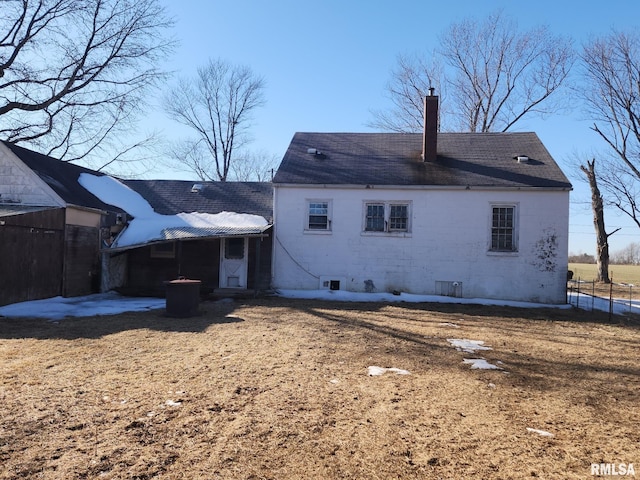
(217,106)
(491,76)
(409,84)
(73,72)
(254,166)
(611,91)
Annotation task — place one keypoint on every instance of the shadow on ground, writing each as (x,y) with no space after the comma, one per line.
(210,313)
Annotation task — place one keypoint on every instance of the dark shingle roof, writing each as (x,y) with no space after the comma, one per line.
(169,197)
(464,159)
(62,177)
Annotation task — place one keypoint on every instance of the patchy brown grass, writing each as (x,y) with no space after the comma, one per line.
(275,389)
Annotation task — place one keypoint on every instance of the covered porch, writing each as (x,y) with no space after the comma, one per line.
(227,263)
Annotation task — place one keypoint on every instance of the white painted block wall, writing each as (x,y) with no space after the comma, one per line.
(449,241)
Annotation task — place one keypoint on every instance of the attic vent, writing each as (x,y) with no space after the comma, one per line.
(522,159)
(313,151)
(197,188)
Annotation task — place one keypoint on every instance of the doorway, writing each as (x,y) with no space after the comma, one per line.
(233,262)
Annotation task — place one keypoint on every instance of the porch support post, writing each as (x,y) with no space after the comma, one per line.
(256,272)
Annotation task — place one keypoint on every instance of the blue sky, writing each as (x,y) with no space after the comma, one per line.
(326,64)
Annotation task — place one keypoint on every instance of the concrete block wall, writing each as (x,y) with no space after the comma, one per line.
(449,241)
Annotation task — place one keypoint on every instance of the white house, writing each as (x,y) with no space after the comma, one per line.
(474,215)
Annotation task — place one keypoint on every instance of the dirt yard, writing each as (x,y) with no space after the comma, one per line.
(279,389)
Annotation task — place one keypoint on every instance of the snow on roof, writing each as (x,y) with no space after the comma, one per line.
(148,226)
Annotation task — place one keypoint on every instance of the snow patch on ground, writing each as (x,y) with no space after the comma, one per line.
(480,364)
(57,308)
(375,371)
(542,433)
(468,346)
(472,346)
(344,296)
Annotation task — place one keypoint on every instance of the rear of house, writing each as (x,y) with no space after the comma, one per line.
(485,217)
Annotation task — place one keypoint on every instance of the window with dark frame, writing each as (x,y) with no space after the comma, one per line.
(375,217)
(386,217)
(234,248)
(503,229)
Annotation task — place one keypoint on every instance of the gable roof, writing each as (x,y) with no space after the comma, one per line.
(62,177)
(170,197)
(464,160)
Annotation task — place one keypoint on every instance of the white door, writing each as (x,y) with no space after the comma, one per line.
(233,262)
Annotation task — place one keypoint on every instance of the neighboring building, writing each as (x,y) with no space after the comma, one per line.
(50,228)
(475,215)
(61,236)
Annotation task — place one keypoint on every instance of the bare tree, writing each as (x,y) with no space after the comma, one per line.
(191,156)
(217,106)
(602,237)
(409,84)
(74,73)
(611,91)
(629,255)
(492,76)
(258,166)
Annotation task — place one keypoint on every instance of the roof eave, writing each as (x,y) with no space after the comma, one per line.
(566,187)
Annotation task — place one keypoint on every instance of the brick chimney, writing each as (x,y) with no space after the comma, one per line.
(430,133)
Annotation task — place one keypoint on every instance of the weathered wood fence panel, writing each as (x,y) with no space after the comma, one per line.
(82,261)
(31,253)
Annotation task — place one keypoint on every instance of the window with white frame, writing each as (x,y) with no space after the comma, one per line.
(386,217)
(318,215)
(503,228)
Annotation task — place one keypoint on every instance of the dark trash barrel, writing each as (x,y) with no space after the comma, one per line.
(183,297)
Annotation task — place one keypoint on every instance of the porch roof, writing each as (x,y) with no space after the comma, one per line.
(195,233)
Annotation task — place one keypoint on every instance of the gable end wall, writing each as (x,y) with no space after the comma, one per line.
(19,185)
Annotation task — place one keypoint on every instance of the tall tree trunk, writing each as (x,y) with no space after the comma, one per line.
(602,238)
